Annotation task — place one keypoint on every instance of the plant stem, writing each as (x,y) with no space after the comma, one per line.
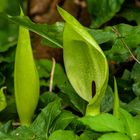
(92,110)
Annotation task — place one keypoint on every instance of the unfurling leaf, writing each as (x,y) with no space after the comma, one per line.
(26,80)
(3,102)
(85,63)
(116,100)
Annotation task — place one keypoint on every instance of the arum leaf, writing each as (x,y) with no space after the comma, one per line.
(116,100)
(103,10)
(131,124)
(108,100)
(63,135)
(63,121)
(45,120)
(52,33)
(114,136)
(85,62)
(3,102)
(2,5)
(103,123)
(136,132)
(26,78)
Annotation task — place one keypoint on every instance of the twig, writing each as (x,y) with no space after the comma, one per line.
(16,124)
(81,3)
(52,75)
(124,44)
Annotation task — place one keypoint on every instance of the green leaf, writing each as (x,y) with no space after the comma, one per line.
(5,128)
(8,56)
(44,68)
(103,123)
(8,31)
(85,62)
(128,121)
(103,10)
(8,35)
(127,31)
(3,5)
(89,135)
(10,112)
(135,74)
(3,102)
(131,13)
(103,35)
(24,133)
(61,81)
(108,39)
(63,135)
(44,121)
(39,129)
(108,100)
(21,133)
(46,98)
(131,126)
(2,79)
(136,134)
(134,105)
(116,100)
(63,121)
(84,137)
(52,33)
(26,79)
(76,126)
(68,94)
(114,136)
(118,52)
(4,136)
(136,88)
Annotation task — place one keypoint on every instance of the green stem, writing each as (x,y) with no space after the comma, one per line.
(92,110)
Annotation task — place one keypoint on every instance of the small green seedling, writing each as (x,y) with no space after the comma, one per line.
(26,79)
(123,125)
(85,63)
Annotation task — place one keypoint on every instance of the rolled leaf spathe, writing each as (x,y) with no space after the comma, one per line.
(26,79)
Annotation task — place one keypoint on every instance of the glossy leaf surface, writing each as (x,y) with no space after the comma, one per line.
(116,100)
(26,79)
(63,135)
(85,62)
(63,121)
(44,121)
(52,33)
(103,123)
(114,136)
(132,125)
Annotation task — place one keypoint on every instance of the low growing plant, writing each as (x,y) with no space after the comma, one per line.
(26,79)
(87,70)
